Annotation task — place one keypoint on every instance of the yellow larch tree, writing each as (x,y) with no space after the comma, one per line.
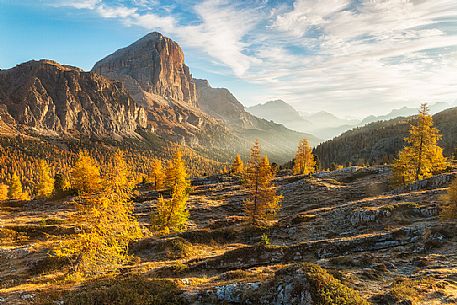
(171,215)
(421,157)
(3,191)
(449,210)
(106,222)
(157,175)
(15,189)
(237,168)
(262,203)
(85,174)
(45,183)
(304,163)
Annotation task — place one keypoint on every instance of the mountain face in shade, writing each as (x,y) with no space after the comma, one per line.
(48,98)
(220,103)
(155,65)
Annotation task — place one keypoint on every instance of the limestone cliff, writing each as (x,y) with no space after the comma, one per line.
(154,64)
(50,98)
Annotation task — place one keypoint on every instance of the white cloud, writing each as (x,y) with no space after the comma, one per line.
(352,57)
(219,33)
(115,12)
(79,4)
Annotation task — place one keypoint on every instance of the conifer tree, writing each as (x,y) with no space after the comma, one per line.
(422,157)
(60,185)
(157,175)
(237,166)
(15,189)
(304,163)
(449,210)
(3,191)
(172,214)
(118,174)
(45,183)
(85,175)
(106,221)
(263,202)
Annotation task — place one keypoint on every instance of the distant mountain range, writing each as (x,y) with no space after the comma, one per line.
(405,112)
(144,92)
(325,125)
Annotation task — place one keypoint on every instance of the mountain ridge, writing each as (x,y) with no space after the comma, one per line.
(141,91)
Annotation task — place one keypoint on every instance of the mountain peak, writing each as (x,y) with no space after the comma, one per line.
(153,64)
(47,63)
(46,97)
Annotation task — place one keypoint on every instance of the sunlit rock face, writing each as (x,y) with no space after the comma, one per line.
(47,97)
(154,64)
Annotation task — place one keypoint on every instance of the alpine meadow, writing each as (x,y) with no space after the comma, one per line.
(205,152)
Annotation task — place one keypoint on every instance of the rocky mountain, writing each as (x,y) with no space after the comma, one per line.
(44,97)
(152,65)
(220,103)
(379,142)
(144,92)
(154,73)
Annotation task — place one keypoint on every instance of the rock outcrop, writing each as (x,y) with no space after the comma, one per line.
(49,98)
(153,64)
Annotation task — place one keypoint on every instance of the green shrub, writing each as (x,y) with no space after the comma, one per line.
(326,290)
(134,290)
(265,240)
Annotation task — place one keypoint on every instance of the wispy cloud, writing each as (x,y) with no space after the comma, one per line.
(339,55)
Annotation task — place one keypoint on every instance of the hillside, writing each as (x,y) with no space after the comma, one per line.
(388,245)
(379,142)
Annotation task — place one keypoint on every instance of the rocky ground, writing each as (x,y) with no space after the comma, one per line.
(388,244)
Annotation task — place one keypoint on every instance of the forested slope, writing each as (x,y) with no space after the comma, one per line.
(380,142)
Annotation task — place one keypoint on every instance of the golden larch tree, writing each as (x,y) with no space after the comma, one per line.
(157,175)
(172,214)
(237,168)
(106,223)
(3,191)
(45,182)
(85,174)
(262,202)
(421,157)
(304,163)
(449,210)
(15,189)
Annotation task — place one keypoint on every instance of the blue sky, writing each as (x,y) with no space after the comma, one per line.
(349,57)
